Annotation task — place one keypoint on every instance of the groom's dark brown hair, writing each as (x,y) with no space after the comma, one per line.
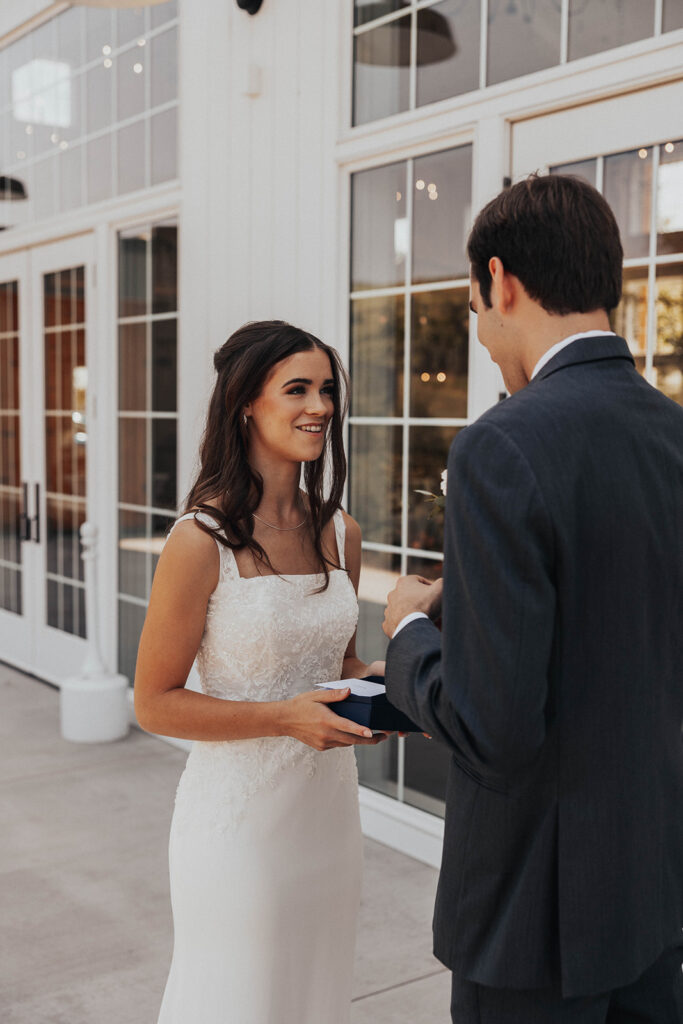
(558,236)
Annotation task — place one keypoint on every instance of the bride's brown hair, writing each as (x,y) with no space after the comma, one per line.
(226,486)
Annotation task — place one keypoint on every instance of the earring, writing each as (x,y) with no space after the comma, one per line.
(245,420)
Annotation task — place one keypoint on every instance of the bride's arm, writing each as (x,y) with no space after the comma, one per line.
(353,667)
(185,578)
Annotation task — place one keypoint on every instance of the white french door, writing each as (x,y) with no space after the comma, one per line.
(46,329)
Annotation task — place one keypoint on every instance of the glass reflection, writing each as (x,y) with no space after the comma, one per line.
(379,572)
(133,461)
(130,146)
(164,142)
(439,353)
(63,521)
(457,70)
(381,71)
(99,32)
(164,268)
(365,11)
(133,273)
(161,13)
(586,169)
(629,319)
(164,472)
(99,163)
(375,481)
(429,448)
(133,367)
(522,38)
(164,358)
(98,97)
(164,62)
(131,23)
(133,551)
(670,198)
(594,27)
(628,190)
(377,338)
(130,83)
(668,355)
(673,15)
(442,193)
(379,233)
(66,607)
(71,179)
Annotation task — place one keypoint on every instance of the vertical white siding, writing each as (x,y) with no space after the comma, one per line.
(259,213)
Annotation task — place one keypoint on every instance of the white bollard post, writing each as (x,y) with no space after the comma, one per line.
(94,705)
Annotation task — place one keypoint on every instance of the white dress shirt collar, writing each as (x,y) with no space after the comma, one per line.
(547,356)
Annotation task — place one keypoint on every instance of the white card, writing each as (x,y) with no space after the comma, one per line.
(359,687)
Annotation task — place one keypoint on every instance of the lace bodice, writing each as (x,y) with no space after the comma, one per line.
(268,638)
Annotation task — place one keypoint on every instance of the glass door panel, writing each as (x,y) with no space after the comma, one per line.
(11,507)
(65,445)
(62,324)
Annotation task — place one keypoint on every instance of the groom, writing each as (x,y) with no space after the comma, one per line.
(557,681)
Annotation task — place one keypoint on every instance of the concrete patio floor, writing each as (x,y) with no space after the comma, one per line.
(85,925)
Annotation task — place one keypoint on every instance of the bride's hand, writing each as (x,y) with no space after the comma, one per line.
(308,718)
(375,668)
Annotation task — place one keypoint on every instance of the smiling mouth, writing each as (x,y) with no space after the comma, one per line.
(312,428)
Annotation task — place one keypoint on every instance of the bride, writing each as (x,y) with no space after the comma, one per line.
(257,581)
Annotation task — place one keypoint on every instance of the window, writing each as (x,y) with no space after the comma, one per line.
(88,106)
(643,186)
(148,323)
(407,53)
(409,321)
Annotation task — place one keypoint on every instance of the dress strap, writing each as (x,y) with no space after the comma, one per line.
(228,563)
(340,534)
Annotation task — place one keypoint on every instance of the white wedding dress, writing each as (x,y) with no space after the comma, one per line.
(265,847)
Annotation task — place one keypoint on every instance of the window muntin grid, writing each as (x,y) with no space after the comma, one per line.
(147,326)
(66,436)
(88,107)
(408,53)
(409,351)
(644,186)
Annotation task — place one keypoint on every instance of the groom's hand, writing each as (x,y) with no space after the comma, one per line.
(412,594)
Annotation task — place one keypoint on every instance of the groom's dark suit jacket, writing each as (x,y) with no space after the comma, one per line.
(557,681)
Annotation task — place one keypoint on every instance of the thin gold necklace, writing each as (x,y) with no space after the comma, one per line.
(282,529)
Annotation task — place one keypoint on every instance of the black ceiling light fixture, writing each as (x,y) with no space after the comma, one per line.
(390,45)
(250,6)
(12,189)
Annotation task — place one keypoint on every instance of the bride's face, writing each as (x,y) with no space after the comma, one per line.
(290,416)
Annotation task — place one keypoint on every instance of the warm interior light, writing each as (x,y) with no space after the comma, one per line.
(441,377)
(419,184)
(642,153)
(669,147)
(424,377)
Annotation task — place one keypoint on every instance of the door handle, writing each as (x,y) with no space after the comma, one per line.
(24,525)
(35,521)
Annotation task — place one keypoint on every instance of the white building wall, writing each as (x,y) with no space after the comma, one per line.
(259,236)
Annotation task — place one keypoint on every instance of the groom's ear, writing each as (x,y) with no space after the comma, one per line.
(504,286)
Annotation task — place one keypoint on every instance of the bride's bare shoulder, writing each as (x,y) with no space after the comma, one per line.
(189,548)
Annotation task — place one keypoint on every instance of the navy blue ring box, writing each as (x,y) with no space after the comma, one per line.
(376,712)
